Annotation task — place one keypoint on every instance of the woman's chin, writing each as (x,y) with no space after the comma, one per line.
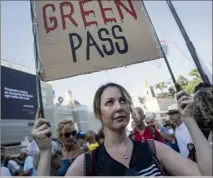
(120,126)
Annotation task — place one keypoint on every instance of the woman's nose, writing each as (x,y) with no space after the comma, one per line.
(117,105)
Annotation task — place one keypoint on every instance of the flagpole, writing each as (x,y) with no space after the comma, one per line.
(37,61)
(161,48)
(189,44)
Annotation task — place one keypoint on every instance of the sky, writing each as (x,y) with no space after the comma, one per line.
(196,16)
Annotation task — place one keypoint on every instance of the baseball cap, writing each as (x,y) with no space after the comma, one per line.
(173,109)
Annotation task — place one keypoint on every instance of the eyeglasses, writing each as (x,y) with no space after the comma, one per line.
(68,134)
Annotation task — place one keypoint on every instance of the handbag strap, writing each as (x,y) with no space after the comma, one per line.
(151,146)
(88,163)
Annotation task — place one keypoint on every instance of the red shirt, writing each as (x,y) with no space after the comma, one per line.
(147,135)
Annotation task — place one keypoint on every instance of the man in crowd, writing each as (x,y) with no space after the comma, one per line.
(141,132)
(28,169)
(4,170)
(181,132)
(2,154)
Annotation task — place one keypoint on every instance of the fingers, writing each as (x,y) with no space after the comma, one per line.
(44,133)
(181,93)
(185,103)
(42,127)
(183,97)
(40,122)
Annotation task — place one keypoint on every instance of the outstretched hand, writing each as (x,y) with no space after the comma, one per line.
(41,132)
(186,104)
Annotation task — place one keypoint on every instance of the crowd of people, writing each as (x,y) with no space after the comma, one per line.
(181,147)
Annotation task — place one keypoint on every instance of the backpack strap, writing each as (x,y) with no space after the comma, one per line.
(151,145)
(153,133)
(88,163)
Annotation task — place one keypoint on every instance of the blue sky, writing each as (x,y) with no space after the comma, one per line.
(196,16)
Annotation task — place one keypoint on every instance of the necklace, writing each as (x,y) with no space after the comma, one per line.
(125,154)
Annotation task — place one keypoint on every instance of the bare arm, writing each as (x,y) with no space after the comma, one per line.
(174,163)
(41,132)
(44,164)
(202,146)
(77,167)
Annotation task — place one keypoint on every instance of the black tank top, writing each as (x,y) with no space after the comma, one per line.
(142,163)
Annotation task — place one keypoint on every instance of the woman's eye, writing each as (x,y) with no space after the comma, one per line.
(123,101)
(109,103)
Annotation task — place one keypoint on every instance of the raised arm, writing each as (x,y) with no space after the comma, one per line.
(174,163)
(202,146)
(41,133)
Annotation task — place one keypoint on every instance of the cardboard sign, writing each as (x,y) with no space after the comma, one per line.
(84,36)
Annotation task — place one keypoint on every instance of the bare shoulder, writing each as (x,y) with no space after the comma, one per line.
(77,167)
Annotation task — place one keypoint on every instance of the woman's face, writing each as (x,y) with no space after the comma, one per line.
(115,109)
(68,136)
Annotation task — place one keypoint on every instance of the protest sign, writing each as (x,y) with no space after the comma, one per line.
(84,36)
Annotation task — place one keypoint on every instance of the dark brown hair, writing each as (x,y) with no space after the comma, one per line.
(99,92)
(203,107)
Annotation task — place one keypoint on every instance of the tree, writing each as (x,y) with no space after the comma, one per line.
(183,81)
(186,84)
(194,73)
(161,86)
(171,91)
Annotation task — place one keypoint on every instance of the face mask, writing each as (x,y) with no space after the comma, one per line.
(171,131)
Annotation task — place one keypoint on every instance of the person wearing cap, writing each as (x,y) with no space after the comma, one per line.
(81,142)
(142,132)
(181,132)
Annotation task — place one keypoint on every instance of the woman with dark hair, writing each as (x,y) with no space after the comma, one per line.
(203,108)
(119,155)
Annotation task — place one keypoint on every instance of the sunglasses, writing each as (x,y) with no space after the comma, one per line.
(68,134)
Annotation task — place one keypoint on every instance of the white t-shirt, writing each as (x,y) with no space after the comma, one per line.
(5,171)
(183,138)
(28,164)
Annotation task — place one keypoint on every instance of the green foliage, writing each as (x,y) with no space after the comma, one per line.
(187,84)
(161,86)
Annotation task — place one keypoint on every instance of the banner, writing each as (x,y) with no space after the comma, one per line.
(83,36)
(18,94)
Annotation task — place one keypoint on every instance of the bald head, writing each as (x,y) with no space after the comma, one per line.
(138,116)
